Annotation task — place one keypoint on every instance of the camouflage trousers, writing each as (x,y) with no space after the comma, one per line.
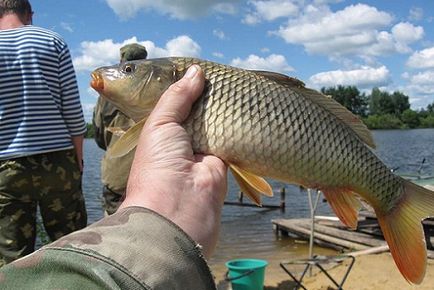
(50,180)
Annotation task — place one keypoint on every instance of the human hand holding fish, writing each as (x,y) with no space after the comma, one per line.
(265,124)
(167,177)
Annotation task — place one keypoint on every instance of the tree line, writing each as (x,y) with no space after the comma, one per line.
(381,109)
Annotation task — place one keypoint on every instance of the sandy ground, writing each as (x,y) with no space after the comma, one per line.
(369,272)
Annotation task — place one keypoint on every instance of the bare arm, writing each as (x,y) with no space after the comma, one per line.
(77,141)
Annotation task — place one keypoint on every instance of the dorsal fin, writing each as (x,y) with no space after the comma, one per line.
(342,113)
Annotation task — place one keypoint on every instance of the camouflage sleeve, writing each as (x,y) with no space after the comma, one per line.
(134,248)
(98,124)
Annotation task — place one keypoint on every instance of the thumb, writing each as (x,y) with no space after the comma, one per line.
(175,103)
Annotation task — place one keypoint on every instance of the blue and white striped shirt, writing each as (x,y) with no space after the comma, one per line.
(40,105)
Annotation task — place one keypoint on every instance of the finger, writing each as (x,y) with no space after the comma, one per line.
(213,162)
(175,104)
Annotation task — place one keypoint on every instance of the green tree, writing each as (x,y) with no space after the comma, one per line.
(410,118)
(428,121)
(348,96)
(380,103)
(387,121)
(90,133)
(400,102)
(430,108)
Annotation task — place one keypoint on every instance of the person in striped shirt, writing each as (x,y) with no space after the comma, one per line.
(41,134)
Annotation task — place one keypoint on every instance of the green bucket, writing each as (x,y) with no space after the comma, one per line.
(246,274)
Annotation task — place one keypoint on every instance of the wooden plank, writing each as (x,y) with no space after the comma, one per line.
(374,250)
(345,234)
(367,214)
(253,205)
(292,226)
(296,227)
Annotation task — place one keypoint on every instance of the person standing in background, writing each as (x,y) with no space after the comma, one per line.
(41,134)
(114,171)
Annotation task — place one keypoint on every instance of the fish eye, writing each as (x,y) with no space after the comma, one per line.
(129,68)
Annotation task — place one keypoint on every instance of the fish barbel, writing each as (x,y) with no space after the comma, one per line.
(265,124)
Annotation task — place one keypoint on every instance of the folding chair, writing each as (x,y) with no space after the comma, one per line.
(319,261)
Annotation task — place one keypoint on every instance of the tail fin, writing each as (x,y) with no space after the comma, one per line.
(402,229)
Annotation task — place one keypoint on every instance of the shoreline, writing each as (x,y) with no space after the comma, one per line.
(369,272)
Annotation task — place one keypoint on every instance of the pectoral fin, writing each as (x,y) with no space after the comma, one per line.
(251,184)
(127,142)
(117,131)
(345,205)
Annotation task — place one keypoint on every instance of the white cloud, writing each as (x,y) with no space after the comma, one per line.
(416,14)
(88,111)
(229,7)
(420,96)
(186,9)
(218,54)
(270,10)
(365,77)
(422,84)
(94,54)
(181,46)
(251,19)
(422,59)
(274,62)
(355,30)
(99,53)
(353,20)
(420,88)
(405,32)
(423,78)
(67,26)
(219,34)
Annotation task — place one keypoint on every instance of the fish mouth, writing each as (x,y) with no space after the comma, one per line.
(97,82)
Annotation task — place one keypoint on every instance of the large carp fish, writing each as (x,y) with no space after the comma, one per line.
(265,124)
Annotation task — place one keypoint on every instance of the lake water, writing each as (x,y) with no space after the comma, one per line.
(248,232)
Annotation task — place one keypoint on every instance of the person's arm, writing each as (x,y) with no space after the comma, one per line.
(71,106)
(77,141)
(71,109)
(168,222)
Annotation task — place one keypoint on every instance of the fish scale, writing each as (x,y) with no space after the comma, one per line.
(265,124)
(297,152)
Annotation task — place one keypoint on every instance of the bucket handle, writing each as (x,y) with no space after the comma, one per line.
(247,273)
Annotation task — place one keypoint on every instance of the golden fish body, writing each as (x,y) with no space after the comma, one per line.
(268,124)
(273,130)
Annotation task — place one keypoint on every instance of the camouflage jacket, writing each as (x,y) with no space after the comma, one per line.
(133,249)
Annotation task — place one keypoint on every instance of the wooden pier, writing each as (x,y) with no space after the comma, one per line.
(241,202)
(330,232)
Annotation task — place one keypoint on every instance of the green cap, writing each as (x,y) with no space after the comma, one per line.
(133,51)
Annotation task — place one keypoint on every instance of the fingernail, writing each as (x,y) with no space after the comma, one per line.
(191,72)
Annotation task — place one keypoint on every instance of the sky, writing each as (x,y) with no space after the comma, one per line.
(324,43)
